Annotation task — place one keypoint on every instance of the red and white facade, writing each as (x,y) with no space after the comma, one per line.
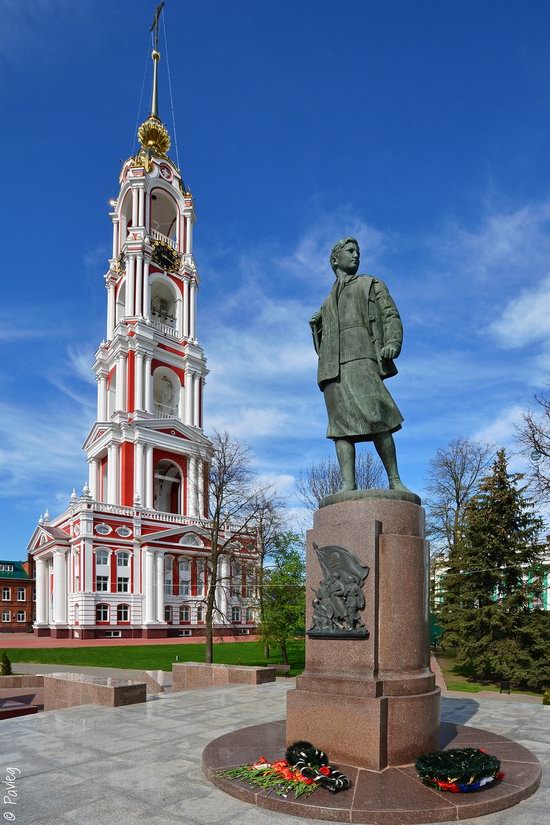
(130,555)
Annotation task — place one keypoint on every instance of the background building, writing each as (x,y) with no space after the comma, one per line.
(129,557)
(17,593)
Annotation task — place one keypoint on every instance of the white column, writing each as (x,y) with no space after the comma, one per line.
(115,237)
(141,207)
(139,284)
(149,481)
(223,588)
(185,330)
(146,291)
(135,195)
(149,590)
(102,398)
(112,474)
(120,381)
(138,471)
(160,587)
(148,384)
(196,399)
(130,280)
(188,397)
(110,478)
(192,309)
(181,405)
(138,393)
(110,310)
(189,230)
(93,473)
(179,316)
(59,587)
(41,591)
(200,487)
(191,486)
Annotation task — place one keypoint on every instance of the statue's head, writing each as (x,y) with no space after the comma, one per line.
(345,255)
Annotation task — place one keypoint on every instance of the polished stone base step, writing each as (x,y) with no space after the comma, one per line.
(394,796)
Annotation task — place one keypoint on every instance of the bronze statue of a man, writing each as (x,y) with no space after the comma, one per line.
(357,334)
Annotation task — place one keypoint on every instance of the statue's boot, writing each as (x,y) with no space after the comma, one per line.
(395,483)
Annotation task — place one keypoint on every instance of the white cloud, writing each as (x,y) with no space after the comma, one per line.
(40,450)
(311,256)
(281,483)
(248,422)
(525,318)
(14,328)
(501,430)
(503,244)
(81,361)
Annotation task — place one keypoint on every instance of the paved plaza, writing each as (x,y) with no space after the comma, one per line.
(142,763)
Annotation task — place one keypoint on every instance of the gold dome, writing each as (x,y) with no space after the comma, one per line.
(153,135)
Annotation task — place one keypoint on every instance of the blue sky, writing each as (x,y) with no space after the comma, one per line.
(423,128)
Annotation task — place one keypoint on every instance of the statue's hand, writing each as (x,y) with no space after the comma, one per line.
(390,351)
(315,318)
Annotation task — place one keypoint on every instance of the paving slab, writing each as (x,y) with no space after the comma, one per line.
(142,763)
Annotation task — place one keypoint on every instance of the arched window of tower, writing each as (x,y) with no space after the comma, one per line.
(163,302)
(164,217)
(166,387)
(168,487)
(120,305)
(126,215)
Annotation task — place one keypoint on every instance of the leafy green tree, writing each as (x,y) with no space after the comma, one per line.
(284,599)
(494,583)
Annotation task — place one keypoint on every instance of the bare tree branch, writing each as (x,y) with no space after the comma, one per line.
(454,475)
(237,509)
(534,436)
(324,478)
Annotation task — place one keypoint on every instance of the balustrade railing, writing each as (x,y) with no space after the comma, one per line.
(166,329)
(165,411)
(158,236)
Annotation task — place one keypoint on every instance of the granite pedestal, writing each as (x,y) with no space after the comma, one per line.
(372,702)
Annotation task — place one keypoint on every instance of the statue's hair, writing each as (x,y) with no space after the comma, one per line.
(337,248)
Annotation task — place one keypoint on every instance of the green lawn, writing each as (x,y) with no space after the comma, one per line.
(457,677)
(159,657)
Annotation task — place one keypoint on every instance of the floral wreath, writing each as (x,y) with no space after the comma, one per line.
(302,771)
(460,770)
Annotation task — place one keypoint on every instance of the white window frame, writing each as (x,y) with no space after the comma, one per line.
(23,614)
(122,584)
(127,608)
(123,559)
(103,552)
(6,613)
(105,581)
(187,609)
(19,591)
(8,597)
(106,606)
(236,614)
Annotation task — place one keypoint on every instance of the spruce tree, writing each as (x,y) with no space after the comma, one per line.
(5,665)
(493,583)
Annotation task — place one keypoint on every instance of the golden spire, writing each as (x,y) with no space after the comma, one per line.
(153,134)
